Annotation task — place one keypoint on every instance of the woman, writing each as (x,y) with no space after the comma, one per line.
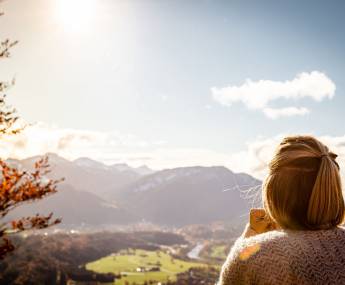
(298,239)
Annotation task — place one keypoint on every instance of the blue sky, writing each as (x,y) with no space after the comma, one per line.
(144,70)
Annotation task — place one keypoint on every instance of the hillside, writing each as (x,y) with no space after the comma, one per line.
(77,208)
(39,259)
(94,194)
(190,195)
(85,174)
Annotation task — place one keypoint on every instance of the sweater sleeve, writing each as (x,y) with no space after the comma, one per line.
(236,269)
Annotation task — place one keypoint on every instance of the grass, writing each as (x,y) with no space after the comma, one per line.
(127,262)
(218,251)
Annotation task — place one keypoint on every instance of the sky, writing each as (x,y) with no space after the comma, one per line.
(174,83)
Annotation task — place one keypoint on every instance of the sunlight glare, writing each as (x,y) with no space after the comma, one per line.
(75,15)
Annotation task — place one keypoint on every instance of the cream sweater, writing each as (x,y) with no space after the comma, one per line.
(287,257)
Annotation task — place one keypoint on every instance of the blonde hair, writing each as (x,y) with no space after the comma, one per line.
(303,188)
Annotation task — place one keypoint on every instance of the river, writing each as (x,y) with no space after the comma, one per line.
(194,253)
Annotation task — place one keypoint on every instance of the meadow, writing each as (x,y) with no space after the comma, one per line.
(136,265)
(219,251)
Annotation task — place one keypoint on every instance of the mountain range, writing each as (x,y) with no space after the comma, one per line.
(94,193)
(189,195)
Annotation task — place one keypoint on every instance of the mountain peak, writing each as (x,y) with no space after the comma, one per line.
(144,170)
(90,163)
(121,167)
(52,158)
(141,170)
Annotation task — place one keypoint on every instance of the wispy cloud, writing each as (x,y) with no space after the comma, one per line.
(71,143)
(258,95)
(107,147)
(274,113)
(255,158)
(114,147)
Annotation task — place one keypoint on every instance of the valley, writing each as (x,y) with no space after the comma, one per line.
(126,258)
(142,266)
(132,225)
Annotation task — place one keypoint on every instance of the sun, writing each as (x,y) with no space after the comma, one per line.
(75,15)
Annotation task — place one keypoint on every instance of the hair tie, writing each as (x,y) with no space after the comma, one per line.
(332,156)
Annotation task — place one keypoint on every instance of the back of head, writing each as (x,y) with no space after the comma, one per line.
(303,187)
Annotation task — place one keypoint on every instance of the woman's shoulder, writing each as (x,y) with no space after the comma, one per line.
(284,235)
(243,243)
(246,258)
(278,240)
(247,249)
(270,237)
(277,248)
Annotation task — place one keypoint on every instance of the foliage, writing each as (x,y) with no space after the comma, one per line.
(19,186)
(39,259)
(199,275)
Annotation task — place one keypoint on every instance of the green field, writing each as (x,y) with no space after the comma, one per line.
(218,251)
(127,262)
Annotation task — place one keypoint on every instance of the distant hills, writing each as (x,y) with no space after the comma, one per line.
(86,174)
(94,193)
(78,209)
(189,195)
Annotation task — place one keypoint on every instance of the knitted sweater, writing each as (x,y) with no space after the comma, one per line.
(287,257)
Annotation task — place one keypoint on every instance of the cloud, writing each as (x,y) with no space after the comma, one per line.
(258,95)
(70,143)
(107,147)
(258,153)
(114,147)
(274,113)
